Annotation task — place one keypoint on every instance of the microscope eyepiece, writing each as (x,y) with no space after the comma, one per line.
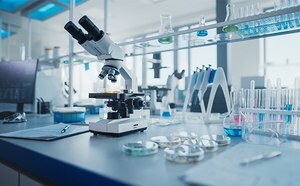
(75,32)
(91,28)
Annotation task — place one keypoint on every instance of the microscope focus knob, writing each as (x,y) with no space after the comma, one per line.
(139,103)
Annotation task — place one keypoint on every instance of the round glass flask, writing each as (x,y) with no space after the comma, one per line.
(202,33)
(230,15)
(165,28)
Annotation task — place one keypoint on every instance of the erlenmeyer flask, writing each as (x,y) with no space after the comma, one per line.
(165,27)
(202,33)
(230,15)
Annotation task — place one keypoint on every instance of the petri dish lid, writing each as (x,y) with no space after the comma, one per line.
(183,135)
(184,154)
(69,109)
(222,140)
(140,148)
(166,141)
(206,145)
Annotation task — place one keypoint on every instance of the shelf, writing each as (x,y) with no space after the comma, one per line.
(152,44)
(235,38)
(265,26)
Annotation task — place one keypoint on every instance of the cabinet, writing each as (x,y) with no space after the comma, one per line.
(11,177)
(8,176)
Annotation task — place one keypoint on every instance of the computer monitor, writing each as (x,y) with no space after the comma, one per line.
(17,82)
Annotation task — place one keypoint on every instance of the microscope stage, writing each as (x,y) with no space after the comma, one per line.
(118,127)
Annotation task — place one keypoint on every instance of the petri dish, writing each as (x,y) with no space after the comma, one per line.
(140,148)
(184,154)
(166,141)
(206,145)
(183,135)
(221,140)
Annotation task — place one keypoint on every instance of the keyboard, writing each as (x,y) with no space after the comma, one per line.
(5,114)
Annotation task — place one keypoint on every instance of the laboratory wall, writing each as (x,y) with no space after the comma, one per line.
(245,59)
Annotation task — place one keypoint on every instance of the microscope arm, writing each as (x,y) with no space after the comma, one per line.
(130,79)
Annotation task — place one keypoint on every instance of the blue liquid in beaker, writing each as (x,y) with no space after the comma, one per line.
(202,33)
(233,131)
(166,114)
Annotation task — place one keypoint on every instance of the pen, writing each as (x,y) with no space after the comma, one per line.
(273,154)
(64,129)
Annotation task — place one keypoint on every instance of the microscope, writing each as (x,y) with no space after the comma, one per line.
(123,105)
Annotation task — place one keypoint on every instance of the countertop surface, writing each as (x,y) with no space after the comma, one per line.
(86,157)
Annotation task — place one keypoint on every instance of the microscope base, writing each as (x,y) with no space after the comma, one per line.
(118,127)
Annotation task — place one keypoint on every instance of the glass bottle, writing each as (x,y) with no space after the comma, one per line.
(165,28)
(202,33)
(230,15)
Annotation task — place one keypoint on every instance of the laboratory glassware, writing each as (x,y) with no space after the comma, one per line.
(202,33)
(233,122)
(206,145)
(230,15)
(183,135)
(165,28)
(184,154)
(140,148)
(221,140)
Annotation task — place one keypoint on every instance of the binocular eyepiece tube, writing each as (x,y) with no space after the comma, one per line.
(75,32)
(88,25)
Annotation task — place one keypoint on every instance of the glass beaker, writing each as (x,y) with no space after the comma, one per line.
(202,33)
(233,122)
(230,15)
(165,28)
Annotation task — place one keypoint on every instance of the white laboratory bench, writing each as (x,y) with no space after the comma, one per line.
(86,159)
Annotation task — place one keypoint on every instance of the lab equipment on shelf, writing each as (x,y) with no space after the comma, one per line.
(202,33)
(270,24)
(230,15)
(165,28)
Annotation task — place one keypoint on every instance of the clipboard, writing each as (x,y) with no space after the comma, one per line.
(47,133)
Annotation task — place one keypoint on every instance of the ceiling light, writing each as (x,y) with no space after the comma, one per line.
(11,5)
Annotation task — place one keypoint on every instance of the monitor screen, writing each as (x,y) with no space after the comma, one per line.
(17,81)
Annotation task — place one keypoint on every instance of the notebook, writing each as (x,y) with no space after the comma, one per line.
(225,169)
(47,133)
